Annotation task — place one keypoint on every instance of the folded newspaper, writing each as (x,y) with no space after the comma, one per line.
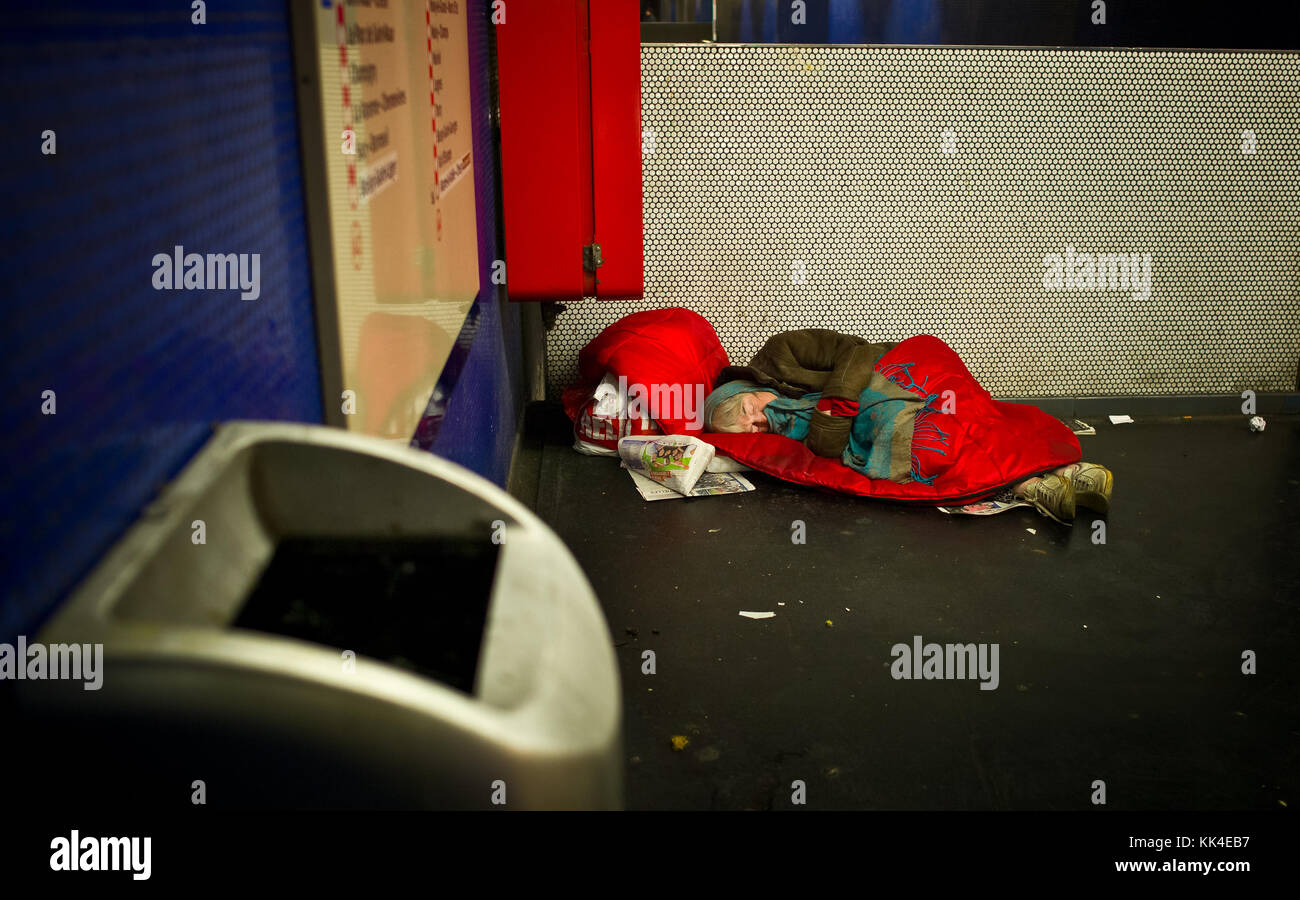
(1004,501)
(709,483)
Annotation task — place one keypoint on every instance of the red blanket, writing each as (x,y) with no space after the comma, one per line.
(987,444)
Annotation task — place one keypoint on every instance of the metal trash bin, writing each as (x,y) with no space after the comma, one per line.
(311,618)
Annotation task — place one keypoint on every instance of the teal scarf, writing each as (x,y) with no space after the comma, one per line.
(880,442)
(792,418)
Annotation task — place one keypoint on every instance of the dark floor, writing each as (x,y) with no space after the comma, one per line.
(1119,662)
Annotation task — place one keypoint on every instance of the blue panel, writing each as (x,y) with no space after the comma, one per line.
(833,21)
(1039,23)
(771,14)
(167,133)
(482,416)
(848,22)
(473,414)
(914,22)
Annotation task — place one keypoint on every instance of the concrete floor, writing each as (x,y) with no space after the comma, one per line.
(1118,662)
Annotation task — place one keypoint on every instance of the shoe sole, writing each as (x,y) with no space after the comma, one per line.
(1042,508)
(1046,512)
(1098,501)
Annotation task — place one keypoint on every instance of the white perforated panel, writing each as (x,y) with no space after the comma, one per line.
(892,191)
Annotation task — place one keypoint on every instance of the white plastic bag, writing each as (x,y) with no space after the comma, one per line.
(602,420)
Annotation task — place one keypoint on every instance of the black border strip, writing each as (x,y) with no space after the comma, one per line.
(1162,404)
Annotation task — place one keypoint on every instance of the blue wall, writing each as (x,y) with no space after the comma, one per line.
(167,134)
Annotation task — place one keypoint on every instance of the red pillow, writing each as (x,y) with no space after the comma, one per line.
(670,358)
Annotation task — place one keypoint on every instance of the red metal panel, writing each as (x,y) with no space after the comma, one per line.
(616,145)
(545,144)
(584,187)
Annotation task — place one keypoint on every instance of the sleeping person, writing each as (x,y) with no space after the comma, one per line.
(903,420)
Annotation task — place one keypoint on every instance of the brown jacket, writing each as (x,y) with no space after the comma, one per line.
(809,360)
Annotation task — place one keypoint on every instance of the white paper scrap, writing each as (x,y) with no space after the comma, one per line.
(1120,420)
(757,615)
(1031,530)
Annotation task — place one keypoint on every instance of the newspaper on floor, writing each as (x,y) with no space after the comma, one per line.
(709,483)
(991,507)
(1078,426)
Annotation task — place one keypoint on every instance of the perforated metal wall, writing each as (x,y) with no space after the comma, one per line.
(892,191)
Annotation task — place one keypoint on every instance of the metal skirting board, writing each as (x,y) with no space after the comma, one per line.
(888,191)
(1163,405)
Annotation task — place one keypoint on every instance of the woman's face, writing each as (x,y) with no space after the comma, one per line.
(752,418)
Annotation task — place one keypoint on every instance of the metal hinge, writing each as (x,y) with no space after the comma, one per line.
(591,260)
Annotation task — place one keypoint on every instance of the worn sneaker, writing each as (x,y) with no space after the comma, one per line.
(1053,496)
(1092,486)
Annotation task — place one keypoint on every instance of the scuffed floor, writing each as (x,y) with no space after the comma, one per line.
(1118,662)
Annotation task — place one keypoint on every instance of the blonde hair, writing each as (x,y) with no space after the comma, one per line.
(726,416)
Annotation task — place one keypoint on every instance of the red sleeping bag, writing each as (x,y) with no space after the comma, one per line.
(988,445)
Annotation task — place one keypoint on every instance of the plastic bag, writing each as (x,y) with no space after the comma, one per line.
(601,421)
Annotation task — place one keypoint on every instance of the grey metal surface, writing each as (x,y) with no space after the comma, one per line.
(545,716)
(799,186)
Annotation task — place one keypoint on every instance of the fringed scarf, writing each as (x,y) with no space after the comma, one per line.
(897,424)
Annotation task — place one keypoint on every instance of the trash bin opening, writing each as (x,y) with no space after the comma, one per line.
(416,603)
